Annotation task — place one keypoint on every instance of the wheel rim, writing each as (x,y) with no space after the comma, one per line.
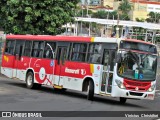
(29,80)
(88,90)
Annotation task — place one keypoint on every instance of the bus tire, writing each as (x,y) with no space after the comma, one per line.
(30,81)
(122,100)
(90,90)
(63,89)
(37,86)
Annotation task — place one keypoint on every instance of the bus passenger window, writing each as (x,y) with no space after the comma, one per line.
(10,47)
(27,48)
(38,49)
(48,54)
(79,52)
(49,50)
(94,55)
(19,47)
(64,56)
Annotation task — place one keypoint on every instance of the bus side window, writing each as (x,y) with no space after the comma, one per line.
(79,52)
(64,56)
(70,52)
(49,50)
(94,55)
(10,47)
(41,46)
(37,50)
(19,47)
(27,48)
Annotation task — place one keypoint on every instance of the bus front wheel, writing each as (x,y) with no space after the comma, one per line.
(123,100)
(90,91)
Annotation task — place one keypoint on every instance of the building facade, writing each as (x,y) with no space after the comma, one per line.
(140,8)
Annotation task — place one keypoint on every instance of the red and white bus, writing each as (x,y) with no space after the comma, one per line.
(115,67)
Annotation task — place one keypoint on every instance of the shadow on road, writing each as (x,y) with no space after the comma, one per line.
(79,95)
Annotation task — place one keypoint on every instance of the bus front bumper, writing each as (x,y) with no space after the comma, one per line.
(118,92)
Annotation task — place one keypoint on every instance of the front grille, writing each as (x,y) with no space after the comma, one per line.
(135,94)
(132,85)
(133,88)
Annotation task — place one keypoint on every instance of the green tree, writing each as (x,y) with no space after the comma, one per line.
(83,13)
(153,17)
(105,14)
(113,15)
(100,14)
(140,20)
(36,16)
(125,7)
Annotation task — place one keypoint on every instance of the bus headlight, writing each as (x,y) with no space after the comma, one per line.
(120,84)
(151,88)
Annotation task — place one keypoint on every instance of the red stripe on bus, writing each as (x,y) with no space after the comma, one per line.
(49,37)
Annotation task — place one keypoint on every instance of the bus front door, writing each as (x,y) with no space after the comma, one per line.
(61,58)
(107,74)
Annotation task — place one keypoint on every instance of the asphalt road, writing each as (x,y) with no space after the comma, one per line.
(14,96)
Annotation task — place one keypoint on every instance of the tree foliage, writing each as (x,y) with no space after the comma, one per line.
(153,17)
(100,14)
(83,13)
(140,20)
(125,7)
(35,16)
(105,14)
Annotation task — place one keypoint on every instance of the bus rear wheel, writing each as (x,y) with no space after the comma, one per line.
(90,90)
(30,81)
(123,100)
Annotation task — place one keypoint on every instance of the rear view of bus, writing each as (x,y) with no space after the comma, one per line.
(135,70)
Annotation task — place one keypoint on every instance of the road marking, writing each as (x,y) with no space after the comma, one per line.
(157,90)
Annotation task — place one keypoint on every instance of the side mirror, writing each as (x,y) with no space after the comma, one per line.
(118,58)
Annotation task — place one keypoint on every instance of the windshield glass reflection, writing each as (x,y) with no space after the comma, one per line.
(139,66)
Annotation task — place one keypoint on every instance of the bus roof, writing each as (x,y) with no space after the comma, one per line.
(49,38)
(139,41)
(72,38)
(62,38)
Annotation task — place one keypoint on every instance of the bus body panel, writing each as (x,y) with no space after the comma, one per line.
(70,74)
(20,67)
(132,94)
(8,65)
(43,70)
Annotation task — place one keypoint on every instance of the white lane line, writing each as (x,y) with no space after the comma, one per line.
(157,90)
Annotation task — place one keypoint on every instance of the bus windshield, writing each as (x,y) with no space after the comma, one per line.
(138,46)
(137,66)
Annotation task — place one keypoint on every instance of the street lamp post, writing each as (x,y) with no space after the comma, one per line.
(155,17)
(81,21)
(87,7)
(117,28)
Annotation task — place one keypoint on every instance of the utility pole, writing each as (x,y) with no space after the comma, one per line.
(106,26)
(117,28)
(155,17)
(87,3)
(102,2)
